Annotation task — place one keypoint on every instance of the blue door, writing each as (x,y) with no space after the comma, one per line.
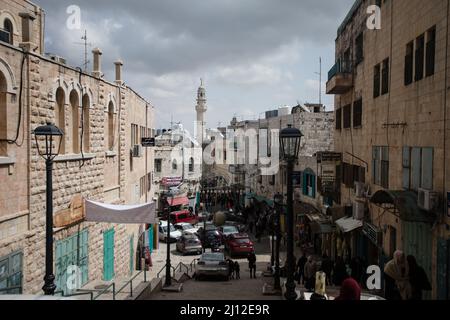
(108,255)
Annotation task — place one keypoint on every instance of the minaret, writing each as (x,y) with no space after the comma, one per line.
(201,109)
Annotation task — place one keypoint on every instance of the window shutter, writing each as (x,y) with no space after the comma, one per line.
(415,168)
(406,168)
(313,184)
(427,168)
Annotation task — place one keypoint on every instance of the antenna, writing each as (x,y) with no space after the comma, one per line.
(86,45)
(320,80)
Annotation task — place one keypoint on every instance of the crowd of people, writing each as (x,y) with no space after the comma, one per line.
(404,278)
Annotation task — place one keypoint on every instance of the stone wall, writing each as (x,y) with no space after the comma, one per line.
(22,191)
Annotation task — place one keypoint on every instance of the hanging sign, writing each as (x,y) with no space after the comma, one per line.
(74,214)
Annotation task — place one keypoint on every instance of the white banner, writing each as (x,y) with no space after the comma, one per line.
(122,214)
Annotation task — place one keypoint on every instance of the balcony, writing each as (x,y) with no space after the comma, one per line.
(340,78)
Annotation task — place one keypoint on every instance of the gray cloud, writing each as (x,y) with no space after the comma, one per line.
(166,44)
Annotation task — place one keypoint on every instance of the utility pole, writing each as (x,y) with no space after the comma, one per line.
(86,45)
(320,80)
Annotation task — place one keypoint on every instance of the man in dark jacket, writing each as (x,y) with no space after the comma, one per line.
(252,264)
(327,268)
(418,279)
(301,268)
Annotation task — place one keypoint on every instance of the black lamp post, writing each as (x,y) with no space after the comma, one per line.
(290,146)
(48,148)
(168,282)
(278,201)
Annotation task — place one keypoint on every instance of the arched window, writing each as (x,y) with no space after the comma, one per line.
(86,121)
(174,165)
(74,121)
(110,126)
(8,27)
(60,116)
(3,114)
(191,165)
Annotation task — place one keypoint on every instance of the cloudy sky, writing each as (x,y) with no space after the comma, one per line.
(254,55)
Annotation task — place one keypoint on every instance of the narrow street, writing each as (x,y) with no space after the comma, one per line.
(211,289)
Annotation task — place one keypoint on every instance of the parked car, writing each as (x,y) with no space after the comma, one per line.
(212,264)
(183,216)
(241,227)
(234,216)
(173,233)
(186,227)
(211,238)
(189,243)
(227,231)
(205,216)
(239,244)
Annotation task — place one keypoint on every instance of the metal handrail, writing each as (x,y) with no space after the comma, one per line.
(130,282)
(113,285)
(163,268)
(11,288)
(181,264)
(80,294)
(193,264)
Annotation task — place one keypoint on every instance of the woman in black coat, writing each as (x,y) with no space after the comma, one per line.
(417,278)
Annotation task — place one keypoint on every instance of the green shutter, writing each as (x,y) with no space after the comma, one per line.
(131,254)
(108,255)
(313,182)
(72,251)
(305,184)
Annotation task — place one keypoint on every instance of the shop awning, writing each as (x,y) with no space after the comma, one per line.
(122,214)
(405,202)
(348,224)
(322,227)
(178,201)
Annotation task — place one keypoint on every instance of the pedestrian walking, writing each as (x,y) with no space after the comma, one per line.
(340,272)
(237,270)
(396,276)
(252,264)
(310,274)
(301,268)
(251,226)
(417,278)
(327,268)
(230,269)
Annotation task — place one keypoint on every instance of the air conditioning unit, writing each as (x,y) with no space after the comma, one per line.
(359,189)
(428,200)
(358,210)
(57,58)
(138,151)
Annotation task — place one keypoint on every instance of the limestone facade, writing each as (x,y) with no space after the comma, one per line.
(98,164)
(404,114)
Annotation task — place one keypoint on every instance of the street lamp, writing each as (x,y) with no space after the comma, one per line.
(278,201)
(168,282)
(48,148)
(290,146)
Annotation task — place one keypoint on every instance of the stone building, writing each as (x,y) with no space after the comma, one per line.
(101,159)
(177,162)
(317,128)
(392,131)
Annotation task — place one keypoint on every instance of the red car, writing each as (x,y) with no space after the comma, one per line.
(239,244)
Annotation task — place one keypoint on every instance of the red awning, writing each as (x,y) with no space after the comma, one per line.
(178,201)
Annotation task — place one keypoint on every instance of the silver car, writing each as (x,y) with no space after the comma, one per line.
(212,264)
(189,243)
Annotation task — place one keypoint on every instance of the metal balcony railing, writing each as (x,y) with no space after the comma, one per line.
(341,66)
